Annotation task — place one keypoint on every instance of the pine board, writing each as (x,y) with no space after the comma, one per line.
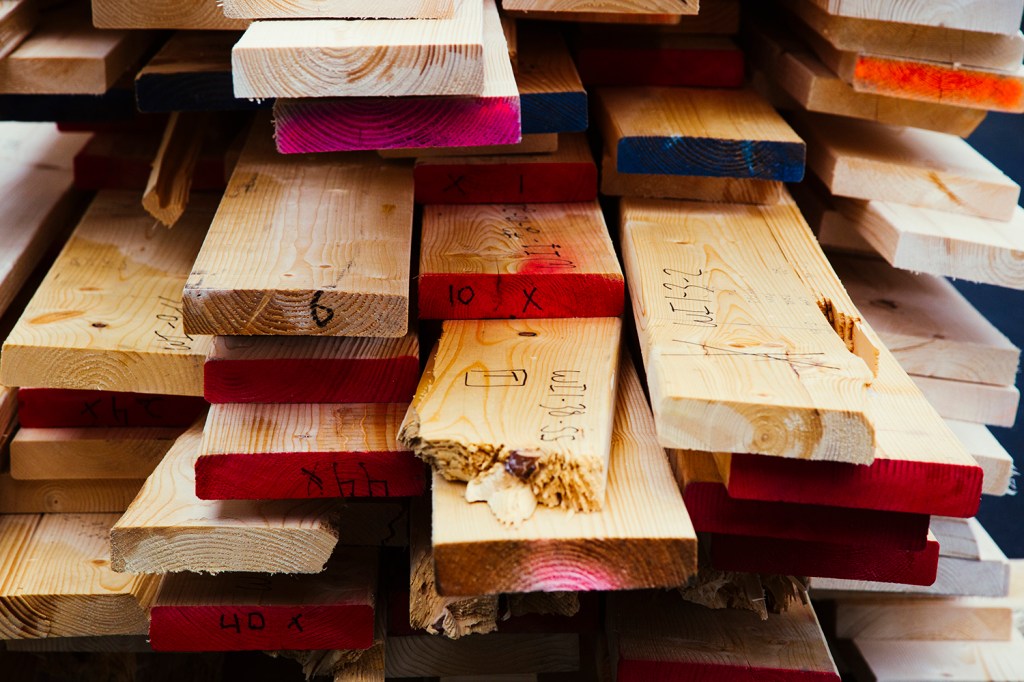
(90,453)
(620,7)
(52,408)
(1000,16)
(956,661)
(989,453)
(517,261)
(551,94)
(17,20)
(339,9)
(970,402)
(528,144)
(163,14)
(329,256)
(935,619)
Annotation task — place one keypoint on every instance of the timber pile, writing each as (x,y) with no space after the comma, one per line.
(319,342)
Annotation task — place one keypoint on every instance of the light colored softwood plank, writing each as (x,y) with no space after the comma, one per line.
(497,653)
(66,496)
(550,90)
(65,55)
(872,161)
(709,284)
(892,661)
(716,17)
(325,58)
(957,536)
(108,313)
(565,175)
(168,529)
(327,247)
(1001,16)
(17,19)
(629,8)
(88,453)
(518,261)
(934,619)
(969,402)
(56,580)
(798,73)
(991,456)
(541,394)
(36,181)
(931,329)
(339,9)
(528,144)
(295,451)
(933,43)
(163,14)
(663,637)
(642,538)
(831,229)
(735,134)
(312,369)
(253,612)
(170,180)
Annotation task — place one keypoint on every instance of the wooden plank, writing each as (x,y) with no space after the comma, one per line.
(737,134)
(810,402)
(91,453)
(990,455)
(518,261)
(66,55)
(57,582)
(339,9)
(296,451)
(664,637)
(528,144)
(66,496)
(867,160)
(36,181)
(642,538)
(969,402)
(933,43)
(109,313)
(498,653)
(935,619)
(361,58)
(51,408)
(254,612)
(793,69)
(170,179)
(543,441)
(832,230)
(568,174)
(957,537)
(634,58)
(163,14)
(552,96)
(890,661)
(931,329)
(168,529)
(347,224)
(1001,16)
(107,643)
(716,17)
(306,369)
(17,19)
(599,17)
(620,7)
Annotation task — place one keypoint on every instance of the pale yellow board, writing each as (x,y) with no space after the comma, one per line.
(89,453)
(386,57)
(991,16)
(969,402)
(55,580)
(168,529)
(17,19)
(739,355)
(338,9)
(991,456)
(108,315)
(328,247)
(66,495)
(642,538)
(163,14)
(936,619)
(900,661)
(622,7)
(536,143)
(956,537)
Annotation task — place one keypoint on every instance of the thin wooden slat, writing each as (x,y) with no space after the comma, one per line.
(709,284)
(665,638)
(957,661)
(659,59)
(170,179)
(642,538)
(970,402)
(57,582)
(957,537)
(528,144)
(872,161)
(66,496)
(360,58)
(108,313)
(552,96)
(347,224)
(92,453)
(254,612)
(990,455)
(935,619)
(302,369)
(568,174)
(1001,16)
(168,529)
(498,653)
(716,17)
(339,9)
(518,261)
(17,19)
(736,134)
(541,394)
(51,408)
(620,7)
(163,14)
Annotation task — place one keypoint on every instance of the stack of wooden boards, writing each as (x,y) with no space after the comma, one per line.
(225,436)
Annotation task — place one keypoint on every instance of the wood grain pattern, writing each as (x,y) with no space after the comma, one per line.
(518,261)
(541,395)
(892,661)
(498,653)
(91,453)
(109,311)
(339,9)
(615,7)
(52,408)
(716,17)
(170,179)
(662,637)
(65,496)
(17,19)
(735,134)
(723,374)
(330,256)
(252,612)
(56,580)
(168,529)
(566,175)
(163,14)
(989,453)
(936,619)
(528,144)
(658,59)
(872,161)
(642,538)
(970,402)
(550,91)
(308,369)
(360,58)
(1001,16)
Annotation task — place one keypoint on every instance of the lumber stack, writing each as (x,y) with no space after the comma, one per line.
(694,398)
